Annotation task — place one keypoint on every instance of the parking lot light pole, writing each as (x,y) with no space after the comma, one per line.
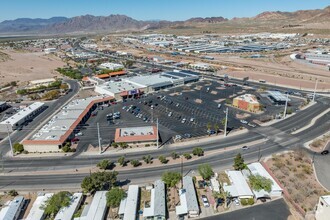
(10,143)
(99,138)
(157,135)
(286,105)
(226,122)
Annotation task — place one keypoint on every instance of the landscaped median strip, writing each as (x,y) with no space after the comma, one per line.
(119,168)
(311,123)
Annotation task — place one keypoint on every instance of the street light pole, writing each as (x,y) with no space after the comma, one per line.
(99,138)
(10,143)
(315,91)
(157,135)
(225,133)
(181,171)
(286,105)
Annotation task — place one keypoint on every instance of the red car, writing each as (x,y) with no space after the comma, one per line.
(75,139)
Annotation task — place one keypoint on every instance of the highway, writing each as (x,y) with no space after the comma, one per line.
(51,107)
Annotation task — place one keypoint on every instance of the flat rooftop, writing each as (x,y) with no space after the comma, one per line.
(146,133)
(120,86)
(23,113)
(248,98)
(64,120)
(149,80)
(278,96)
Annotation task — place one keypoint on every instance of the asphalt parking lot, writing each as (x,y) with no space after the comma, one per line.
(187,111)
(275,210)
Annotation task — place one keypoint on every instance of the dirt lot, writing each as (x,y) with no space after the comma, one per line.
(319,143)
(295,172)
(26,66)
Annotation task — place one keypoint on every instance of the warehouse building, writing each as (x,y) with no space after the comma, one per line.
(128,206)
(157,208)
(137,85)
(60,129)
(21,117)
(111,66)
(247,102)
(137,135)
(188,199)
(12,209)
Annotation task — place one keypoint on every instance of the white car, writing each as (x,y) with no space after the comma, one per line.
(205,201)
(251,125)
(183,121)
(169,114)
(243,121)
(192,119)
(79,134)
(236,201)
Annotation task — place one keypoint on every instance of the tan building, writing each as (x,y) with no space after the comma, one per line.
(137,135)
(60,129)
(323,208)
(247,102)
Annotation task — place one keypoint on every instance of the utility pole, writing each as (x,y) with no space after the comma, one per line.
(157,135)
(2,165)
(226,122)
(10,143)
(181,171)
(286,105)
(315,91)
(152,115)
(99,138)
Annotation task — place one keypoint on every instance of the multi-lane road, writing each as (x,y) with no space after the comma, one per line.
(277,138)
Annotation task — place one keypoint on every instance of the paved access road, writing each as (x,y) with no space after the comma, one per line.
(51,108)
(274,210)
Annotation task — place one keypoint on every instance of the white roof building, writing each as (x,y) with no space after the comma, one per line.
(258,169)
(128,206)
(215,184)
(239,187)
(188,199)
(66,213)
(157,209)
(12,209)
(323,208)
(36,212)
(96,210)
(20,117)
(111,66)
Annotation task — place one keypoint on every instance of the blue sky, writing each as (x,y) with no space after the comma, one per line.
(151,9)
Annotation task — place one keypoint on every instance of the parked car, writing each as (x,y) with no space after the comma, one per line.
(205,201)
(183,120)
(243,121)
(325,152)
(219,106)
(187,135)
(192,119)
(169,114)
(78,134)
(251,125)
(236,201)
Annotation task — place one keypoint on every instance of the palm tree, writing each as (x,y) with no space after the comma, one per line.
(216,128)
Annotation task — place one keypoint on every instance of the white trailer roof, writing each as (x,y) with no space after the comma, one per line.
(66,213)
(157,203)
(239,182)
(36,212)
